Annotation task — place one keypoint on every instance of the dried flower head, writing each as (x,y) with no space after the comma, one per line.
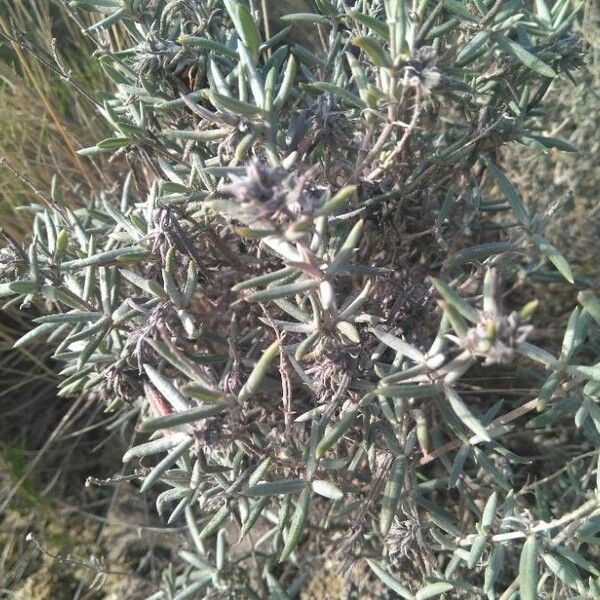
(495,338)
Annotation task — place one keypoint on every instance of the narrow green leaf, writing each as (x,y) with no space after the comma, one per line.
(424,390)
(326,7)
(336,202)
(555,257)
(103,258)
(91,346)
(276,488)
(182,418)
(478,253)
(167,389)
(373,49)
(336,432)
(113,143)
(297,524)
(465,415)
(511,194)
(192,41)
(433,590)
(457,8)
(166,463)
(488,466)
(392,583)
(375,25)
(155,446)
(287,84)
(107,21)
(493,569)
(43,329)
(576,558)
(591,304)
(529,570)
(255,512)
(234,106)
(452,298)
(146,285)
(543,12)
(347,248)
(477,550)
(489,512)
(525,57)
(306,18)
(327,489)
(247,29)
(258,373)
(348,331)
(256,84)
(400,346)
(199,391)
(216,521)
(391,495)
(469,52)
(264,279)
(283,291)
(537,354)
(395,11)
(17,287)
(548,142)
(276,590)
(564,571)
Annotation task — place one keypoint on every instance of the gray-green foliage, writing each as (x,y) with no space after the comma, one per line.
(263,285)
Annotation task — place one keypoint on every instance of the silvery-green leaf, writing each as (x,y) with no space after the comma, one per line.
(275,488)
(375,25)
(167,389)
(297,523)
(182,418)
(489,512)
(493,569)
(166,463)
(529,570)
(459,10)
(283,291)
(511,194)
(336,432)
(555,257)
(452,298)
(390,582)
(391,494)
(433,590)
(206,44)
(103,258)
(564,571)
(348,331)
(373,49)
(477,550)
(525,57)
(215,522)
(399,345)
(258,373)
(327,489)
(577,559)
(465,415)
(591,304)
(276,590)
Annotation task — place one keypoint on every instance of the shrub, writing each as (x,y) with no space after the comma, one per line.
(315,283)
